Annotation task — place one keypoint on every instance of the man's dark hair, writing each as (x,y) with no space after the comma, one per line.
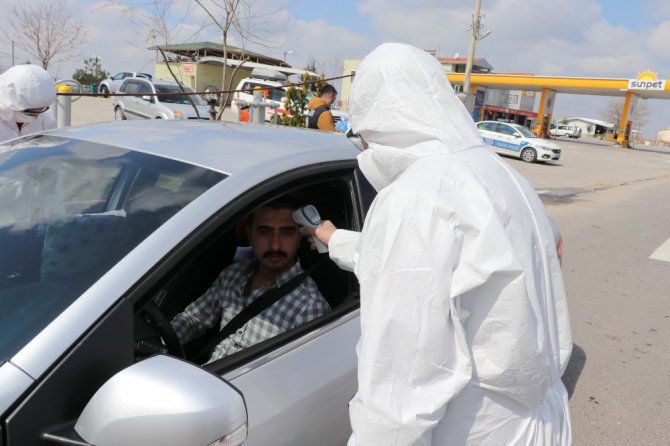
(282,202)
(327,89)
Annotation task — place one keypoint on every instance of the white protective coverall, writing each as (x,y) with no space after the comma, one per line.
(25,87)
(465,328)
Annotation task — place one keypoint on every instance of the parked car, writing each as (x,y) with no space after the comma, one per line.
(571,131)
(109,230)
(517,140)
(112,83)
(177,105)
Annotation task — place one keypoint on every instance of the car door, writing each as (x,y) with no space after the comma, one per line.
(299,393)
(145,106)
(130,87)
(117,80)
(510,139)
(297,386)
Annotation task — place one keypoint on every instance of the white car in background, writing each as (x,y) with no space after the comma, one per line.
(517,140)
(112,83)
(172,102)
(571,131)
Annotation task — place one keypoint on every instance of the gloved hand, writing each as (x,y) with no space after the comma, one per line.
(342,126)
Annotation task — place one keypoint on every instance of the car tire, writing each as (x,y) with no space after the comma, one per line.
(119,115)
(529,155)
(104,91)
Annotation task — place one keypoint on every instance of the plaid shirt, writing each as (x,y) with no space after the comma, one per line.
(224,300)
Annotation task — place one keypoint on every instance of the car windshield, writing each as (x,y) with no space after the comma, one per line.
(524,131)
(69,211)
(177,98)
(275,94)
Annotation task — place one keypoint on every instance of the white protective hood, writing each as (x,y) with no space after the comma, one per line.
(465,330)
(25,87)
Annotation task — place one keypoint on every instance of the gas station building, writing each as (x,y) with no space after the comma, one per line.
(645,86)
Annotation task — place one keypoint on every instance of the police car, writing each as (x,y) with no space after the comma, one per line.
(516,140)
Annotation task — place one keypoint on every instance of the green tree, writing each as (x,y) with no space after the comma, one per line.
(92,73)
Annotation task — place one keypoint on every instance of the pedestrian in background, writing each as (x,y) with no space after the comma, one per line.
(464,322)
(26,92)
(318,109)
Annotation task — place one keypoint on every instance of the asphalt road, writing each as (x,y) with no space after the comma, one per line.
(612,207)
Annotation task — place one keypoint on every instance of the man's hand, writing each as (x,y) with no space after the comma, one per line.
(323,232)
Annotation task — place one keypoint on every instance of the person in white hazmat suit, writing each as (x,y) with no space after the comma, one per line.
(464,323)
(26,92)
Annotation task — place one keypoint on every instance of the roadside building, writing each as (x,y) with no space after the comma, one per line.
(200,64)
(590,127)
(663,138)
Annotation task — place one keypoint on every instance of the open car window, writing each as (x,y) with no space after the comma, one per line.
(337,199)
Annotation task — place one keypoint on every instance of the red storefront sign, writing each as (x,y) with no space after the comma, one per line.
(494,109)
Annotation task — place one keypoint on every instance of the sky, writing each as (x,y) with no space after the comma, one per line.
(589,38)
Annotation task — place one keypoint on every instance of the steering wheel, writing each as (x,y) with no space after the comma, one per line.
(158,322)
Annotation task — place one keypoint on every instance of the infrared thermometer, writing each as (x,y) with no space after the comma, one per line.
(309,216)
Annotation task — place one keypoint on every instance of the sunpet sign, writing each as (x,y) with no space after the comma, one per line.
(636,84)
(646,80)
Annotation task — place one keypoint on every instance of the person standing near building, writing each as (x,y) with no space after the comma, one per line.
(26,92)
(465,332)
(318,109)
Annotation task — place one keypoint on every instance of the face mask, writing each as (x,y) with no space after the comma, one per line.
(24,118)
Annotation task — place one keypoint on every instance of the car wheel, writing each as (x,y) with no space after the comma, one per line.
(104,91)
(118,114)
(529,155)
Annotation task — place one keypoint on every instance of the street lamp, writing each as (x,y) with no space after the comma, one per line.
(287,53)
(211,96)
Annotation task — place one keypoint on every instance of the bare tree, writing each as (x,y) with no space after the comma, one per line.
(240,19)
(42,30)
(613,111)
(153,16)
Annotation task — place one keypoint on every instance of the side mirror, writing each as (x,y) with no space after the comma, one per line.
(166,401)
(147,98)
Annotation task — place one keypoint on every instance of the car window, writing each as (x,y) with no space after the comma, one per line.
(506,130)
(179,97)
(71,210)
(130,87)
(488,126)
(333,195)
(524,131)
(144,88)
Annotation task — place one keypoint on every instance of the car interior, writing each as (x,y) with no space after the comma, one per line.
(198,270)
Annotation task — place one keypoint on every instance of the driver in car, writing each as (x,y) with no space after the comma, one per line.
(274,239)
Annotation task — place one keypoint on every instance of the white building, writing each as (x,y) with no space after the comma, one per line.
(590,127)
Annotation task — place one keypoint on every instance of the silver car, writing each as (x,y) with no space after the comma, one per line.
(157,99)
(109,230)
(112,83)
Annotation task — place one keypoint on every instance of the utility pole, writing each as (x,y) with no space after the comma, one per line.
(12,53)
(474,37)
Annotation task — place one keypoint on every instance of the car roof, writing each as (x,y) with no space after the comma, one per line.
(227,147)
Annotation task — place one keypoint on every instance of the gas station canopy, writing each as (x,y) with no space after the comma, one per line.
(646,86)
